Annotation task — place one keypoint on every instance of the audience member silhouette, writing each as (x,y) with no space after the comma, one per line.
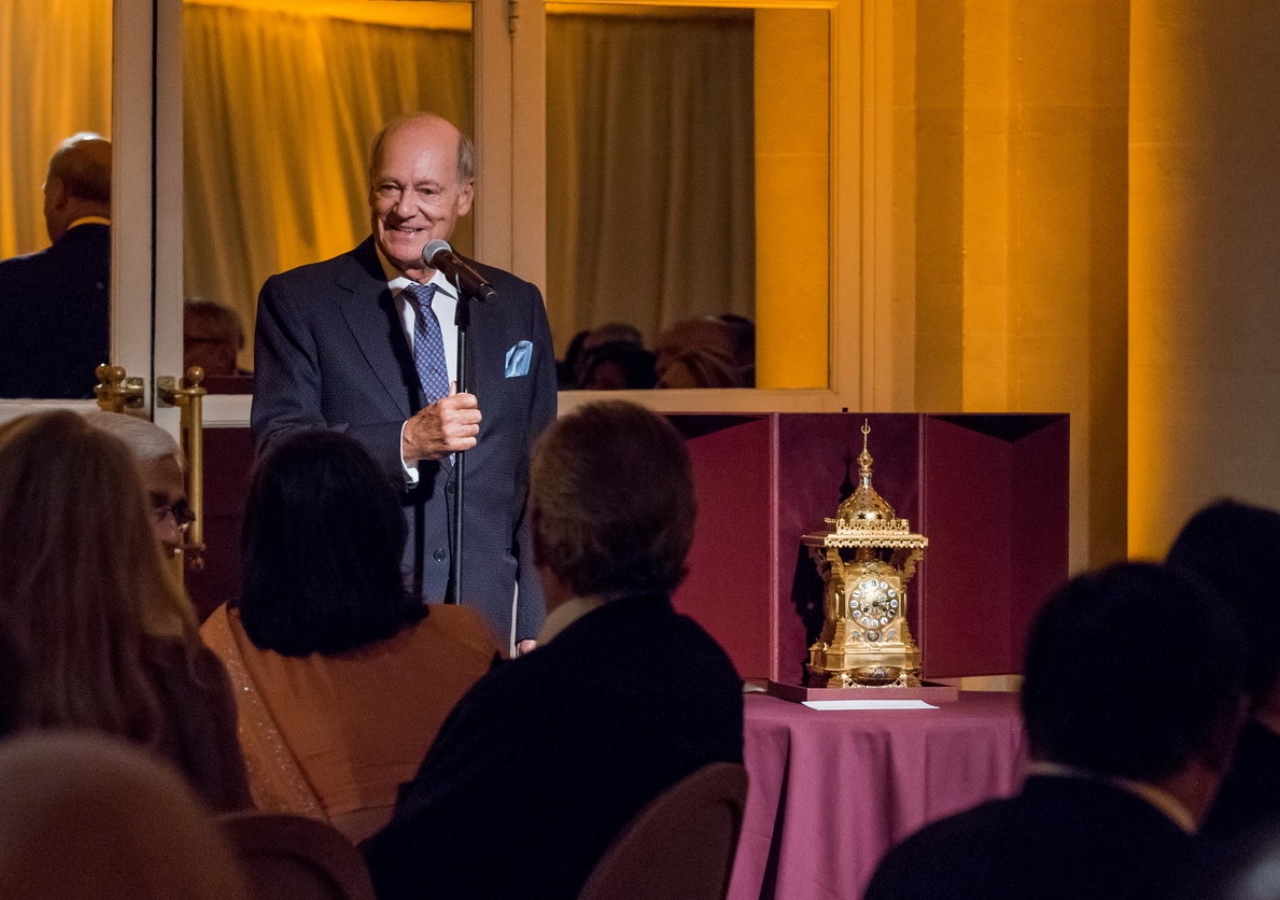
(744,345)
(587,344)
(547,758)
(212,337)
(616,366)
(87,817)
(713,351)
(55,303)
(699,353)
(1236,549)
(567,367)
(612,332)
(1131,702)
(342,679)
(106,637)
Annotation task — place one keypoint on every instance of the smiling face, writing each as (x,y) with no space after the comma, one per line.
(416,194)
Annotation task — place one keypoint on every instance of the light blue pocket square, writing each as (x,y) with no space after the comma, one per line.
(518,359)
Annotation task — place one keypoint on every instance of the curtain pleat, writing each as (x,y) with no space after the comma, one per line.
(650,144)
(55,81)
(279,112)
(650,171)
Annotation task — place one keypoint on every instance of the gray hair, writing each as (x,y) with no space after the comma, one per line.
(147,441)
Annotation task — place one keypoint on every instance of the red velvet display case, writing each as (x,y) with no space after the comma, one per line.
(989,491)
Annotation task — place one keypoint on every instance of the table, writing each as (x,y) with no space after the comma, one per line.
(831,791)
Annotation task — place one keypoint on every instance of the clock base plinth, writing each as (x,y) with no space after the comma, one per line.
(928,692)
(853,662)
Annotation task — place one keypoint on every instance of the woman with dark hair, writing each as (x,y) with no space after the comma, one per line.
(103,638)
(342,679)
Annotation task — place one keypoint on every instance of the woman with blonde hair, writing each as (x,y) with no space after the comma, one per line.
(105,637)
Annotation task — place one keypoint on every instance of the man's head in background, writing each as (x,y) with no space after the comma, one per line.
(78,183)
(1235,547)
(1136,672)
(612,503)
(212,336)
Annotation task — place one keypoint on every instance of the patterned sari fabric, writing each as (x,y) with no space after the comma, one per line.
(334,737)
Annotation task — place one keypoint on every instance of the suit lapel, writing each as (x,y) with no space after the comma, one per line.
(480,350)
(370,314)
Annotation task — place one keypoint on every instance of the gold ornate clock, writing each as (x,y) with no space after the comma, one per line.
(865,563)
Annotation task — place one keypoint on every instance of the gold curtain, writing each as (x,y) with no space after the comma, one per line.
(279,112)
(650,146)
(55,81)
(650,159)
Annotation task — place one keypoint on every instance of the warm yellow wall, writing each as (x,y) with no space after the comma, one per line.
(792,112)
(938,217)
(55,82)
(1020,230)
(1204,264)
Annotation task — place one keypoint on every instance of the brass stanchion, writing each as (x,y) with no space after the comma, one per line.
(189,397)
(116,391)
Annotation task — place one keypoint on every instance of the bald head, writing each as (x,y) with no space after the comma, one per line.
(433,128)
(420,184)
(78,183)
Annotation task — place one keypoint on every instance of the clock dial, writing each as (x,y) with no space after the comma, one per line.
(874,602)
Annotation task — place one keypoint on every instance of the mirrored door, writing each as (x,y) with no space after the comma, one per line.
(688,173)
(281,99)
(55,196)
(828,252)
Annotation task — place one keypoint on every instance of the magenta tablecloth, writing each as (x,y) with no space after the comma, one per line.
(831,791)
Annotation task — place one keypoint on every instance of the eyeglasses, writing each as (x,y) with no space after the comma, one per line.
(181,512)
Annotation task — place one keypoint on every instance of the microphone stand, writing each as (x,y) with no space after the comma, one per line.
(462,319)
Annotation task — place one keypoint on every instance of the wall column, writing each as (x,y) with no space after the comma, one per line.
(1204,264)
(1020,229)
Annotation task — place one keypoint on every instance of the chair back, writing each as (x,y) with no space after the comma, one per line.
(295,857)
(680,846)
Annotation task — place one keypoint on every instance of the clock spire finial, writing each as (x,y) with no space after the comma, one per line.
(864,504)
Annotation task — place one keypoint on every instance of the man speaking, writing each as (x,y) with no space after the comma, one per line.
(366,343)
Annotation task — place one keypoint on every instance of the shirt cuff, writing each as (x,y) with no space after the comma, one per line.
(410,469)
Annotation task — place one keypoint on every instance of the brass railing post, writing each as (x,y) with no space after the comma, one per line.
(115,391)
(189,398)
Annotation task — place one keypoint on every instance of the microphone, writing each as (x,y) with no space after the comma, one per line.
(439,255)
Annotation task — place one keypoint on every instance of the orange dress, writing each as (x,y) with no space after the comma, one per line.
(334,737)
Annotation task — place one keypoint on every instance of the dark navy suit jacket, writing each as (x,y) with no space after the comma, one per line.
(1250,793)
(544,761)
(54,314)
(1061,838)
(330,352)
